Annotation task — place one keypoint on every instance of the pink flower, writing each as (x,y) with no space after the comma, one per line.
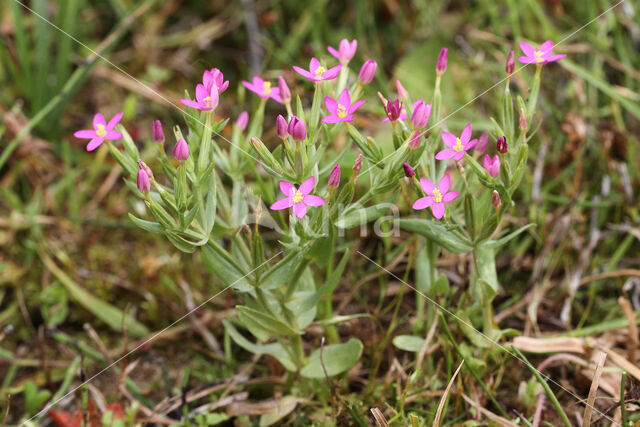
(214,77)
(298,198)
(317,72)
(345,51)
(491,165)
(421,114)
(403,113)
(341,110)
(368,71)
(457,146)
(101,131)
(263,89)
(206,100)
(297,129)
(181,150)
(437,196)
(542,56)
(441,64)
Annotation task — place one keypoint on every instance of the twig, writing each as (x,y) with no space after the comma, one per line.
(493,417)
(443,399)
(380,419)
(633,328)
(208,337)
(588,410)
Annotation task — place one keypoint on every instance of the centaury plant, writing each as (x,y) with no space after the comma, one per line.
(292,185)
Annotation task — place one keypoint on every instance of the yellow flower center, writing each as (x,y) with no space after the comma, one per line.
(207,100)
(101,131)
(437,195)
(320,70)
(538,54)
(342,111)
(458,147)
(266,88)
(297,198)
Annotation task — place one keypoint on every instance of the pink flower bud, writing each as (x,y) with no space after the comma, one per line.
(501,144)
(368,71)
(334,176)
(408,170)
(297,129)
(243,120)
(421,114)
(482,142)
(495,199)
(357,165)
(522,123)
(281,127)
(256,143)
(285,93)
(157,132)
(393,109)
(142,181)
(402,92)
(441,65)
(414,141)
(491,165)
(181,150)
(510,63)
(146,168)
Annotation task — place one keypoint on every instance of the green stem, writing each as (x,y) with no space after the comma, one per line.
(330,330)
(623,410)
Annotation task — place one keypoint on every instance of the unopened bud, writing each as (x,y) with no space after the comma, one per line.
(243,120)
(510,63)
(495,199)
(334,176)
(146,168)
(441,65)
(181,150)
(281,127)
(368,71)
(482,142)
(522,123)
(142,181)
(402,92)
(256,143)
(421,114)
(414,141)
(501,144)
(408,170)
(297,129)
(157,132)
(285,93)
(357,166)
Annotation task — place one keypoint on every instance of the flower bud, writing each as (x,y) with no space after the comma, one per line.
(368,71)
(146,168)
(281,127)
(256,143)
(285,93)
(421,114)
(357,166)
(510,63)
(441,65)
(495,199)
(243,120)
(522,123)
(414,141)
(482,142)
(393,109)
(181,150)
(157,132)
(142,181)
(297,129)
(402,92)
(334,176)
(408,170)
(501,144)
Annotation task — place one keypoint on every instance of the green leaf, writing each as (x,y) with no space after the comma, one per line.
(151,226)
(361,216)
(435,232)
(506,239)
(282,272)
(284,407)
(275,350)
(408,343)
(472,333)
(268,322)
(337,358)
(217,261)
(486,262)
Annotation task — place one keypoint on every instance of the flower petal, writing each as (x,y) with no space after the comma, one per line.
(427,185)
(280,204)
(469,145)
(287,188)
(527,49)
(310,200)
(201,92)
(333,52)
(313,65)
(300,210)
(85,134)
(331,73)
(331,104)
(94,143)
(307,185)
(423,202)
(547,47)
(553,58)
(304,73)
(438,210)
(449,139)
(458,155)
(444,183)
(114,121)
(98,119)
(249,86)
(466,134)
(331,119)
(345,99)
(450,196)
(527,60)
(113,135)
(356,105)
(446,154)
(190,103)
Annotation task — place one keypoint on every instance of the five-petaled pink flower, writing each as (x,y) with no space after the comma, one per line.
(457,146)
(206,99)
(436,197)
(542,56)
(298,198)
(214,76)
(317,72)
(491,165)
(345,51)
(341,110)
(263,89)
(101,131)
